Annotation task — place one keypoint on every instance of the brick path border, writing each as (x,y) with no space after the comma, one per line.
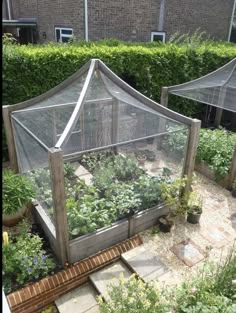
(36,296)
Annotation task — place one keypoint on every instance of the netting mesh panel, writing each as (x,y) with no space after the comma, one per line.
(217,89)
(30,154)
(69,94)
(111,116)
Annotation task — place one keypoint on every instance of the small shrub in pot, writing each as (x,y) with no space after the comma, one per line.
(17,193)
(194,208)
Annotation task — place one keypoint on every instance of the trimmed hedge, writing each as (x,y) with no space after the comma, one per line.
(30,70)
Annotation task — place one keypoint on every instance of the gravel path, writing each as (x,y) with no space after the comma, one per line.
(218,206)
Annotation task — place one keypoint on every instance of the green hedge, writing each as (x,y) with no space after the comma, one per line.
(29,71)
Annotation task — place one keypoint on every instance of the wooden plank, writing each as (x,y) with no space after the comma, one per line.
(191,152)
(232,172)
(88,245)
(147,218)
(59,203)
(162,123)
(10,138)
(79,106)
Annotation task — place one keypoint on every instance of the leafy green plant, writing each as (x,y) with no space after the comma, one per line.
(216,148)
(234,184)
(194,203)
(17,191)
(210,291)
(91,160)
(24,259)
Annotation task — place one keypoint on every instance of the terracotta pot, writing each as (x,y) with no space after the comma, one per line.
(141,159)
(12,219)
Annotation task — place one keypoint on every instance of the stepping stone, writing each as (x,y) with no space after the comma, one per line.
(145,263)
(103,279)
(80,171)
(79,300)
(188,252)
(217,236)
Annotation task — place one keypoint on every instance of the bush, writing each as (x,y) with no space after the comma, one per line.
(216,148)
(29,71)
(24,260)
(211,291)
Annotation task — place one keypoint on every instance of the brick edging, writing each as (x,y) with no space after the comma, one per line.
(36,296)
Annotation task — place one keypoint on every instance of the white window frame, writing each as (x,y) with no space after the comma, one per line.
(163,34)
(63,35)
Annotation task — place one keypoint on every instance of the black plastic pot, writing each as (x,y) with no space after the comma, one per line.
(165,224)
(193,218)
(233,192)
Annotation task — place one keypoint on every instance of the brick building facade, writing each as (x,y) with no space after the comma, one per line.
(133,20)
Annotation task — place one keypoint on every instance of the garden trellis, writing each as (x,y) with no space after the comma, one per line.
(94,114)
(217,89)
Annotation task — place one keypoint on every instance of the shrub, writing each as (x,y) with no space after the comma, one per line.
(24,259)
(211,291)
(17,191)
(216,148)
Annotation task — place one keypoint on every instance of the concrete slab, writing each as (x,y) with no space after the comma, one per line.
(80,171)
(145,263)
(109,276)
(79,300)
(188,252)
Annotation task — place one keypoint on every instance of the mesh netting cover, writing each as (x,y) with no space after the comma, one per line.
(92,112)
(217,88)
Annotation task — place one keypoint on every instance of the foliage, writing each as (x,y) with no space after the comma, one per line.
(194,203)
(176,141)
(216,148)
(172,194)
(210,291)
(91,160)
(17,191)
(24,259)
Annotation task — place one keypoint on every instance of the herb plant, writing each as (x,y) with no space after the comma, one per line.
(17,191)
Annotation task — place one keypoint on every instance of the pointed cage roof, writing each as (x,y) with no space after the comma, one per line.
(217,88)
(91,110)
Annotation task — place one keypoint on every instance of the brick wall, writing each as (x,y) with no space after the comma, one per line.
(132,20)
(212,16)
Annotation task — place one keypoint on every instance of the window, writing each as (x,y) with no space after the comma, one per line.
(63,34)
(158,36)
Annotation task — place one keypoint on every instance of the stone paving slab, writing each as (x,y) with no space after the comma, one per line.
(109,276)
(145,263)
(217,236)
(188,252)
(79,300)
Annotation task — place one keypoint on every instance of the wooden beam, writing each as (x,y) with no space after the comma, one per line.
(164,96)
(218,117)
(10,138)
(162,123)
(56,166)
(232,172)
(191,152)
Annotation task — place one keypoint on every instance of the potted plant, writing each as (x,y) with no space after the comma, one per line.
(233,191)
(171,194)
(194,208)
(17,192)
(141,157)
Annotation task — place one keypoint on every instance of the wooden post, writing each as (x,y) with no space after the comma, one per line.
(232,172)
(162,124)
(114,123)
(164,96)
(59,203)
(218,117)
(191,152)
(10,138)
